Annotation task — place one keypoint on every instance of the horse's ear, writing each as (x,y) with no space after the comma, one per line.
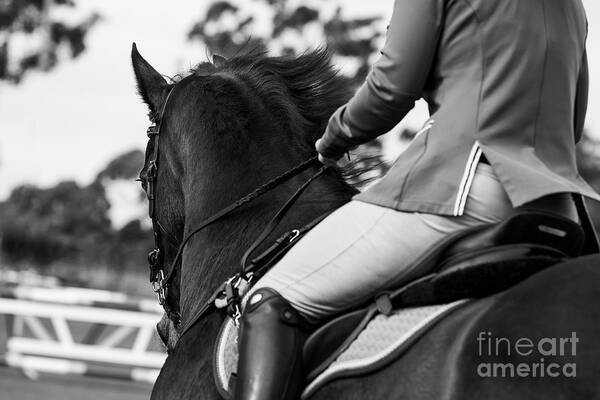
(218,60)
(151,85)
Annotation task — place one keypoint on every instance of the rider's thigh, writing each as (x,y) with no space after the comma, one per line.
(363,248)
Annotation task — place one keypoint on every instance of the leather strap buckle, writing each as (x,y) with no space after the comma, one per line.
(159,287)
(154,258)
(152,131)
(233,291)
(154,263)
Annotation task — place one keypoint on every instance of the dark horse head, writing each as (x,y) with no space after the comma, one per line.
(227,128)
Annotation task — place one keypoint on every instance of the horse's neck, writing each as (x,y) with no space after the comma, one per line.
(215,253)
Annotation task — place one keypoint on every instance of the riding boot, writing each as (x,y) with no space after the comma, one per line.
(270,349)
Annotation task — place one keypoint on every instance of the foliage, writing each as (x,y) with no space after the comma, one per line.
(32,24)
(69,223)
(125,166)
(228,28)
(44,225)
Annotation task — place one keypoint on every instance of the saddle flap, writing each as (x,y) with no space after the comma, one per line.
(324,345)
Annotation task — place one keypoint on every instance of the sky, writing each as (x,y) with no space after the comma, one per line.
(69,123)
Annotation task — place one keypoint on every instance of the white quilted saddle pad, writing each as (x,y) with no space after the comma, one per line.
(382,340)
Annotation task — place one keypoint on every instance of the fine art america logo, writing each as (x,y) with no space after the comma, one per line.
(536,358)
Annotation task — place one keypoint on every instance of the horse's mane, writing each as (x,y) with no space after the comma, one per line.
(302,91)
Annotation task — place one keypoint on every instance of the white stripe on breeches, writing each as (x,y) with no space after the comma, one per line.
(362,248)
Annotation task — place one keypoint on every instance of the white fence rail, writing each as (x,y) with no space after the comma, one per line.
(110,336)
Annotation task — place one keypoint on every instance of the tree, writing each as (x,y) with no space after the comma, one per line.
(70,224)
(227,29)
(124,166)
(65,222)
(33,24)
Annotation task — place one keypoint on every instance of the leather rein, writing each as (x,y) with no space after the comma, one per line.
(229,294)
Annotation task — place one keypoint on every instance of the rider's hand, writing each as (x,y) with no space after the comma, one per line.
(339,162)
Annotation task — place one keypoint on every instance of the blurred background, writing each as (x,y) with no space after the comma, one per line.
(73,228)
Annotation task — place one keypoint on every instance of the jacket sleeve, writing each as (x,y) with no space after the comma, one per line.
(395,82)
(581,98)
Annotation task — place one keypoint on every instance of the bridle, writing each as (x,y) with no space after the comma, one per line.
(226,296)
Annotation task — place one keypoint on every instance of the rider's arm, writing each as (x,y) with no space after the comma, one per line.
(395,82)
(581,98)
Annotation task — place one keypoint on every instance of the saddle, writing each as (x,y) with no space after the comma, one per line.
(470,264)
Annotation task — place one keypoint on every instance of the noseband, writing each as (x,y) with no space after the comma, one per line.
(160,278)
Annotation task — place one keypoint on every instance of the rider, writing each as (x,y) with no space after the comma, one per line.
(506,84)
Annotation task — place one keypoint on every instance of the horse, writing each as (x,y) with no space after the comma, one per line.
(231,125)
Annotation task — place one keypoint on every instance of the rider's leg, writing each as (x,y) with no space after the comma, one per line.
(270,349)
(358,250)
(363,248)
